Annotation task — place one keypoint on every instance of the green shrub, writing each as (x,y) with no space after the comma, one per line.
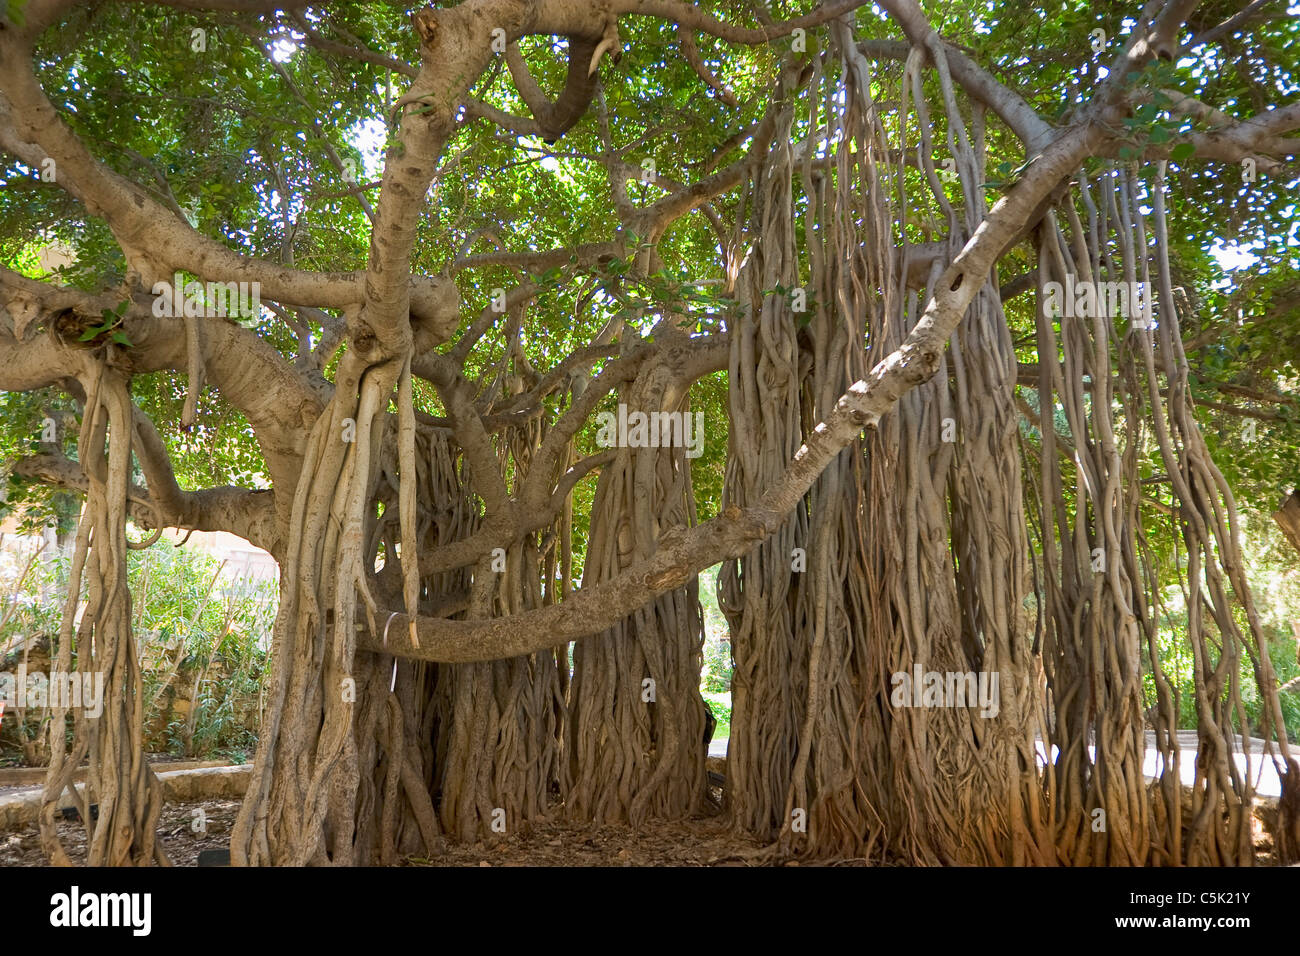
(198,635)
(720,705)
(715,673)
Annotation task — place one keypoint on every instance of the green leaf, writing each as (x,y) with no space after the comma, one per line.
(95,332)
(1182,152)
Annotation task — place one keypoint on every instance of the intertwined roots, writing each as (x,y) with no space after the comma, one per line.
(120,779)
(918,549)
(976,530)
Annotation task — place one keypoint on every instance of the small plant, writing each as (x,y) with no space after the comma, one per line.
(715,675)
(200,637)
(720,706)
(715,671)
(111,326)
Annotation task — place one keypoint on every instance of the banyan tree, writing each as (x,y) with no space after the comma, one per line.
(522,313)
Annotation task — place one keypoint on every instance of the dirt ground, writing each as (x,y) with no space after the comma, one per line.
(694,843)
(702,842)
(175,829)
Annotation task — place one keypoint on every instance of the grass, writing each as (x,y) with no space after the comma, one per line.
(720,704)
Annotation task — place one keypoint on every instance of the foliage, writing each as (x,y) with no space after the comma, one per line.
(192,627)
(207,638)
(251,138)
(715,675)
(720,707)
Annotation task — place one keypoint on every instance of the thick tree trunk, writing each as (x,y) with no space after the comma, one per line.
(1288,519)
(636,745)
(119,778)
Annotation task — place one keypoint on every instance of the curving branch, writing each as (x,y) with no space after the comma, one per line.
(280,402)
(247,512)
(155,241)
(683,553)
(555,118)
(692,54)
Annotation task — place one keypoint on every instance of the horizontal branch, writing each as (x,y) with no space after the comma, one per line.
(246,512)
(280,402)
(683,553)
(155,241)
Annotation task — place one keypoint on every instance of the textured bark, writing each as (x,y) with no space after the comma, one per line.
(119,777)
(1288,519)
(636,735)
(419,690)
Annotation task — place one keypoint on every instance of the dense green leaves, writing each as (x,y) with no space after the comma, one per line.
(264,141)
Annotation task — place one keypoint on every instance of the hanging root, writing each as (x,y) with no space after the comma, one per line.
(119,778)
(408,488)
(194,370)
